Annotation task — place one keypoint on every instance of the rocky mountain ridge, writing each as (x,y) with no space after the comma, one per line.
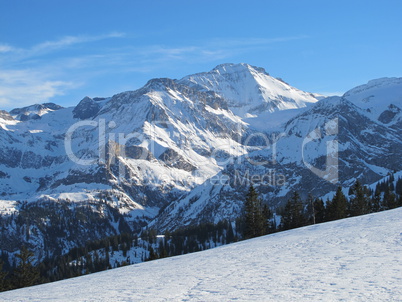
(177,152)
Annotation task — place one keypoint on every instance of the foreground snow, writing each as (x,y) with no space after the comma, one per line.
(356,259)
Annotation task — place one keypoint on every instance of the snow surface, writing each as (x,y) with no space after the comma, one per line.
(249,89)
(355,259)
(377,95)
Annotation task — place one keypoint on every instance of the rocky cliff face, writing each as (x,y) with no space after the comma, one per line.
(86,109)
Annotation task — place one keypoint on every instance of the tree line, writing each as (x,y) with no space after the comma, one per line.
(97,255)
(256,220)
(297,212)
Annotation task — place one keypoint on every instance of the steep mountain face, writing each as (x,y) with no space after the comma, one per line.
(87,108)
(333,143)
(183,151)
(249,90)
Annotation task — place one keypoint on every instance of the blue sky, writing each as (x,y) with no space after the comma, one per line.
(62,51)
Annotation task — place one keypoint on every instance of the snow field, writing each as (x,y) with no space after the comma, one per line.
(355,259)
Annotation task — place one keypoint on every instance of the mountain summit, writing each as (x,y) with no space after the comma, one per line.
(377,95)
(249,90)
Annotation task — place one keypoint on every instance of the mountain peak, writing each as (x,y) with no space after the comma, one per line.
(86,109)
(374,84)
(4,115)
(249,90)
(377,94)
(159,83)
(236,68)
(34,111)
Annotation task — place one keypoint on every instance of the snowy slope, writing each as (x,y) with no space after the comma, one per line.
(381,99)
(377,95)
(250,90)
(34,111)
(355,259)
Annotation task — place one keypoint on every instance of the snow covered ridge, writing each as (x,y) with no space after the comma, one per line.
(354,259)
(187,149)
(249,89)
(33,111)
(377,95)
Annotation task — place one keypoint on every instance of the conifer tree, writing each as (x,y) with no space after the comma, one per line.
(319,209)
(398,187)
(315,210)
(25,274)
(310,209)
(390,201)
(254,221)
(230,237)
(152,254)
(391,186)
(359,199)
(267,215)
(3,276)
(293,216)
(376,201)
(399,203)
(337,207)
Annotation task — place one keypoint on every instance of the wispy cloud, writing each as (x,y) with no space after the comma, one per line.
(214,49)
(72,40)
(27,78)
(6,48)
(43,71)
(23,87)
(50,46)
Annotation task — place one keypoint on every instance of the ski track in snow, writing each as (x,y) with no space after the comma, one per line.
(355,259)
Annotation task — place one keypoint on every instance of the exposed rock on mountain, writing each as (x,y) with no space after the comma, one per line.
(86,109)
(177,152)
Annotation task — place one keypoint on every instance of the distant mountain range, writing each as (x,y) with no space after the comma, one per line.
(177,152)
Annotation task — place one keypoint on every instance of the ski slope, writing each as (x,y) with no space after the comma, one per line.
(355,259)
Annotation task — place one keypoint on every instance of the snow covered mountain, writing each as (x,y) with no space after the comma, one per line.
(176,152)
(249,90)
(377,95)
(34,111)
(333,143)
(136,151)
(252,94)
(354,259)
